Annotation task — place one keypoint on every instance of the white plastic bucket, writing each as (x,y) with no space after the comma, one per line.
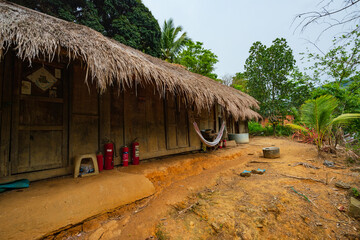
(239,137)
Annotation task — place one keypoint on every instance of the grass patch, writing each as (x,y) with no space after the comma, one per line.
(160,233)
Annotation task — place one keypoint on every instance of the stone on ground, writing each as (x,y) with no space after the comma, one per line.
(343,185)
(354,208)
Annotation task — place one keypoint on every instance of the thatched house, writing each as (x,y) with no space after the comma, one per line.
(64,87)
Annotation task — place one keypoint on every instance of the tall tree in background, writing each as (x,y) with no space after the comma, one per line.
(197,59)
(301,86)
(267,71)
(171,44)
(127,21)
(239,82)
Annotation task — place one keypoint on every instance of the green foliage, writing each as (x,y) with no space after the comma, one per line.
(342,60)
(355,192)
(300,88)
(318,116)
(239,82)
(197,59)
(283,130)
(295,113)
(256,129)
(348,99)
(171,44)
(127,21)
(340,65)
(267,71)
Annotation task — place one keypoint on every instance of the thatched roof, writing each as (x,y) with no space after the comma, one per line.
(108,62)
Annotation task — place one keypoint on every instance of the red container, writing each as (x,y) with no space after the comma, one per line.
(109,159)
(224,143)
(135,153)
(109,149)
(125,156)
(100,161)
(109,163)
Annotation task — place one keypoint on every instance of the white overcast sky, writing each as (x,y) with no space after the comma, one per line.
(230,27)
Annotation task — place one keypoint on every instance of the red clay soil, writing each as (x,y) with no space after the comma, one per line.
(204,197)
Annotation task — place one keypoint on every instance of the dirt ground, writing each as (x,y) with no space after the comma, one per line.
(210,200)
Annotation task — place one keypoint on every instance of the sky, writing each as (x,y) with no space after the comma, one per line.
(230,27)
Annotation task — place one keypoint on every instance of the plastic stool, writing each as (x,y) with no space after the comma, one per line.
(78,160)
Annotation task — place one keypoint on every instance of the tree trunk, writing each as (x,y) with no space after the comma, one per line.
(274,129)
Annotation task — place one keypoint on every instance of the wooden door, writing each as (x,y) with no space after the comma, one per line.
(84,123)
(155,125)
(135,117)
(39,129)
(177,128)
(171,122)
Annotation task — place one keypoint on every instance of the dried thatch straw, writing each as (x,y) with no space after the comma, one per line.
(109,63)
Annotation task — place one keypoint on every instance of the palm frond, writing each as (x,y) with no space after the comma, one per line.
(317,113)
(295,126)
(171,44)
(344,118)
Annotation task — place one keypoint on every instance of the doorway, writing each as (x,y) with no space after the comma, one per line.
(39,136)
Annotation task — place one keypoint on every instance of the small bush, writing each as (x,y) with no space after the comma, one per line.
(306,137)
(355,192)
(256,129)
(283,130)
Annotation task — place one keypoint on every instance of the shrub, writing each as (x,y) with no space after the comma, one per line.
(256,129)
(308,136)
(355,192)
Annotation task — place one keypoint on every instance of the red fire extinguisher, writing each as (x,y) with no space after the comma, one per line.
(109,155)
(135,152)
(125,156)
(100,161)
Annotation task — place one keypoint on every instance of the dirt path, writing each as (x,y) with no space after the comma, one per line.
(217,203)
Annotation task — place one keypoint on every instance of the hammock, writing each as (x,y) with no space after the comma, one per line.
(217,139)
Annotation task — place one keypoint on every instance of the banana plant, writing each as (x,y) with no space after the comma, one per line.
(317,115)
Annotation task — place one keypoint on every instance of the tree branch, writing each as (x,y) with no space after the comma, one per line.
(312,17)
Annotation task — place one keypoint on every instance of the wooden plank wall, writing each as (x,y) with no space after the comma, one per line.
(144,120)
(161,127)
(208,120)
(155,121)
(230,124)
(84,117)
(177,124)
(6,75)
(117,121)
(243,126)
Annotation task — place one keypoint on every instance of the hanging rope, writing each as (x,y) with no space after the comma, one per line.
(217,139)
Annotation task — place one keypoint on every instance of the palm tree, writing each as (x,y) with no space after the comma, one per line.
(317,115)
(170,44)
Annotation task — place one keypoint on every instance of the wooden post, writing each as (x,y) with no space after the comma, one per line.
(7,76)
